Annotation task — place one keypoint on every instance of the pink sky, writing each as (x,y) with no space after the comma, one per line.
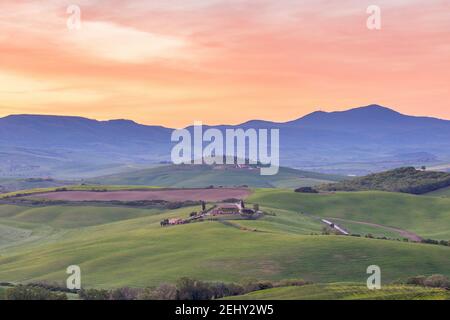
(174,62)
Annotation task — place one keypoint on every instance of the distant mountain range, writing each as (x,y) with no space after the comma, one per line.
(356,141)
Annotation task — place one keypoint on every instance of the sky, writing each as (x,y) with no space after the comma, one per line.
(174,62)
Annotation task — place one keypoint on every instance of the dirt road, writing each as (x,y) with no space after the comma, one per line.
(404,233)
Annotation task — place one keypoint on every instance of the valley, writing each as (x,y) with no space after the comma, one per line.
(116,246)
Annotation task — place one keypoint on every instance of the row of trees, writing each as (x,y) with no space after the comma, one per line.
(330,231)
(186,289)
(439,242)
(30,292)
(434,281)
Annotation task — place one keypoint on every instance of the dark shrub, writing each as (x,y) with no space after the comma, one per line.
(220,290)
(444,243)
(254,285)
(25,292)
(430,241)
(52,286)
(190,289)
(417,281)
(94,294)
(306,190)
(437,281)
(434,281)
(124,294)
(163,292)
(292,283)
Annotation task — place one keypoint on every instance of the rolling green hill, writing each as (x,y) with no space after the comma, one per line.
(127,247)
(127,255)
(444,192)
(408,180)
(346,291)
(204,175)
(425,216)
(71,216)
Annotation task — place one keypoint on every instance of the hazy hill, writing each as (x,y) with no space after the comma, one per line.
(408,180)
(356,141)
(204,176)
(8,185)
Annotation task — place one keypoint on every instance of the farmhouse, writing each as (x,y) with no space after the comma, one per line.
(237,208)
(231,208)
(226,208)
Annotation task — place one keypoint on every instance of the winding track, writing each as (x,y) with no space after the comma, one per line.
(404,233)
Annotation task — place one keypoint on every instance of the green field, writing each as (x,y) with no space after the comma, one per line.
(425,216)
(203,176)
(346,291)
(70,216)
(444,192)
(9,234)
(117,246)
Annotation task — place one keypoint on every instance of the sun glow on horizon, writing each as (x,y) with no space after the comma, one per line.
(222,61)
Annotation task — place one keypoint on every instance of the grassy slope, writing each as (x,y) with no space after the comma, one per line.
(444,192)
(426,216)
(346,291)
(202,176)
(70,216)
(9,234)
(138,252)
(31,227)
(356,228)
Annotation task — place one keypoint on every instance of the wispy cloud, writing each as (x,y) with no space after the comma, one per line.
(169,61)
(125,44)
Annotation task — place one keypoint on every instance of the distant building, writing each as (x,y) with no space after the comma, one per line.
(175,221)
(220,209)
(226,208)
(231,208)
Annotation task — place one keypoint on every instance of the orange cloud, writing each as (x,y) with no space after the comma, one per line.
(222,61)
